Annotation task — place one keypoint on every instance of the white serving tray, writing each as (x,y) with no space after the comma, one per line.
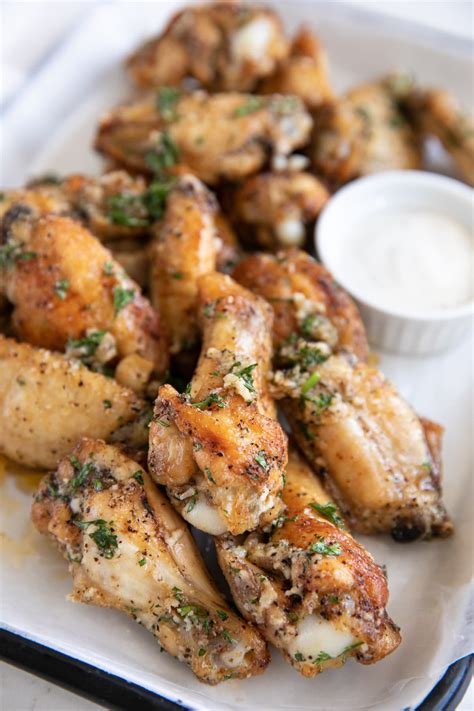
(49,125)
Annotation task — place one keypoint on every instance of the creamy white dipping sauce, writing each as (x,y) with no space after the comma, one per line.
(409,259)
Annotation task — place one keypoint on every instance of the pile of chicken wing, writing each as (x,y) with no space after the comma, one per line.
(148,348)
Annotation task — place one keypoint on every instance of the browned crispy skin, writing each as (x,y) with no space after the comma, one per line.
(299,288)
(183,249)
(334,581)
(47,403)
(216,136)
(362,133)
(304,73)
(225,46)
(68,284)
(128,550)
(218,449)
(274,210)
(380,462)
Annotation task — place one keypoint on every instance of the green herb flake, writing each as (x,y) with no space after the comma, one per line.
(208,473)
(142,562)
(164,156)
(212,399)
(177,275)
(322,657)
(107,404)
(201,652)
(166,100)
(245,374)
(227,635)
(261,460)
(308,324)
(11,253)
(313,380)
(122,297)
(61,288)
(20,380)
(223,615)
(329,511)
(250,106)
(103,536)
(324,548)
(82,472)
(108,268)
(299,657)
(87,345)
(192,502)
(138,476)
(307,434)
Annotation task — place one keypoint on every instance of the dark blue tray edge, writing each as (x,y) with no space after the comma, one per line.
(115,693)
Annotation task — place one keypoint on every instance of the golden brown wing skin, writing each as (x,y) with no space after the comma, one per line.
(274,210)
(128,550)
(217,448)
(363,133)
(216,136)
(42,198)
(303,73)
(305,300)
(379,462)
(47,403)
(229,251)
(64,284)
(224,46)
(183,249)
(312,590)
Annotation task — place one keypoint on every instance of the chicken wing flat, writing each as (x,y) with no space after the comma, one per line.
(216,136)
(363,133)
(306,301)
(217,448)
(128,550)
(66,288)
(48,402)
(274,210)
(304,73)
(184,248)
(313,591)
(355,429)
(225,46)
(437,113)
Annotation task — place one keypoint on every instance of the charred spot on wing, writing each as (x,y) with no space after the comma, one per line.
(408,530)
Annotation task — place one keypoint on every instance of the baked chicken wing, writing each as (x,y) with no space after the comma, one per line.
(304,73)
(307,303)
(313,591)
(217,448)
(362,133)
(274,210)
(216,136)
(128,550)
(67,290)
(225,46)
(48,403)
(184,248)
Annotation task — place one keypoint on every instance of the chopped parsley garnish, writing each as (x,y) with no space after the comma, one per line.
(223,615)
(107,404)
(178,594)
(103,536)
(11,253)
(61,288)
(87,345)
(165,155)
(122,297)
(138,477)
(313,380)
(108,268)
(284,104)
(177,275)
(123,209)
(427,466)
(245,374)
(322,402)
(282,519)
(260,458)
(324,656)
(166,100)
(299,657)
(310,356)
(82,472)
(142,562)
(307,434)
(208,473)
(186,610)
(212,399)
(227,635)
(250,106)
(201,652)
(324,548)
(192,502)
(307,325)
(330,512)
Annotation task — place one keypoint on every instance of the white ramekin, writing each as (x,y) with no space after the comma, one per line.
(392,329)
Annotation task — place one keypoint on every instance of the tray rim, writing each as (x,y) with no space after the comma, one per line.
(115,692)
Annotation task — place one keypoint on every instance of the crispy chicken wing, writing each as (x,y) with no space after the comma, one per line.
(304,73)
(128,550)
(184,248)
(66,288)
(377,459)
(47,403)
(216,136)
(363,133)
(224,46)
(313,591)
(275,209)
(217,448)
(306,301)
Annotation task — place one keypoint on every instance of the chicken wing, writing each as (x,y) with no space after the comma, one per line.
(306,301)
(312,590)
(274,210)
(224,46)
(363,133)
(48,402)
(66,289)
(217,448)
(128,550)
(184,248)
(304,73)
(216,136)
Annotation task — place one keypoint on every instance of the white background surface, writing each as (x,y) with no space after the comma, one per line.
(21,691)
